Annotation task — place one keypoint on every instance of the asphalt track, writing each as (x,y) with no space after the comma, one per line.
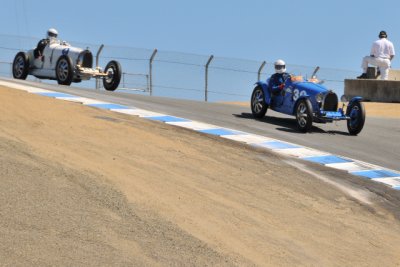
(378,143)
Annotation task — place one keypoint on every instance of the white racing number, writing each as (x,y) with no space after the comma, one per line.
(297,94)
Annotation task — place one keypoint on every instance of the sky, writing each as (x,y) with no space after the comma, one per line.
(334,34)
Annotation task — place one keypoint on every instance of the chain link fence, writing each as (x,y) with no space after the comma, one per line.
(176,74)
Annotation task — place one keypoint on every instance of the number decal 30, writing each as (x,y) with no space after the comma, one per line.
(297,94)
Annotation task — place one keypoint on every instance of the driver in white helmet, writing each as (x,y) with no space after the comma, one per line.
(277,80)
(51,37)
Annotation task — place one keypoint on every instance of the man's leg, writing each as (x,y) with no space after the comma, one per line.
(368,60)
(384,66)
(364,65)
(384,73)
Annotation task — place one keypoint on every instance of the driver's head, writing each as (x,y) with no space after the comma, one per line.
(280,66)
(382,34)
(52,33)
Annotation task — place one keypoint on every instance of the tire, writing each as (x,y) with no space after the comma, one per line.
(20,67)
(356,112)
(64,71)
(304,115)
(111,81)
(258,105)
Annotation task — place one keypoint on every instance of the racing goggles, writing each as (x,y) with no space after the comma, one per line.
(280,67)
(51,34)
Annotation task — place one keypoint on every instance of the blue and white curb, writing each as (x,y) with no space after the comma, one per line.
(352,166)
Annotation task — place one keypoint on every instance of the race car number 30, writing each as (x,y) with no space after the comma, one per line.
(297,94)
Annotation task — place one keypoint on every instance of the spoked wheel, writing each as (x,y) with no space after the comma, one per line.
(356,112)
(113,70)
(258,105)
(304,115)
(20,66)
(64,72)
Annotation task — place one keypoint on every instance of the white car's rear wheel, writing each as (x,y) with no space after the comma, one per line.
(20,66)
(64,72)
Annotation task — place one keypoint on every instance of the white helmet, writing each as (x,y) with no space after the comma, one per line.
(280,66)
(52,33)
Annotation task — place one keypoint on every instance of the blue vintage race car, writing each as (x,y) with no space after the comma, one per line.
(310,102)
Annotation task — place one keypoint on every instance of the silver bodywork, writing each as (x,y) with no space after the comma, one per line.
(82,62)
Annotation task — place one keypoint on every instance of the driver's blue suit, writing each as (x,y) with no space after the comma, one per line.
(277,82)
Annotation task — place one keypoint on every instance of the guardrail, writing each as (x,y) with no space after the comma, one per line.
(130,82)
(181,75)
(5,69)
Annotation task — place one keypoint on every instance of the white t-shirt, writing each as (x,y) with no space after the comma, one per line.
(382,48)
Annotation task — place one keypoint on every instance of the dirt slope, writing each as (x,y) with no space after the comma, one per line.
(87,187)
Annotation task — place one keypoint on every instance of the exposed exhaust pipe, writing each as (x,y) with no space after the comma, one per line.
(98,54)
(313,75)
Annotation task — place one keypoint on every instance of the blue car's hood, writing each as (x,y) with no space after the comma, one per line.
(311,88)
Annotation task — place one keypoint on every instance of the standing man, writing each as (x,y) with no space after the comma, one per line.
(382,53)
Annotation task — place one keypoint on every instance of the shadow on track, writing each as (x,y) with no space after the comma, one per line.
(287,124)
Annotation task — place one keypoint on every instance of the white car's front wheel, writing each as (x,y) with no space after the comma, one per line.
(64,72)
(113,71)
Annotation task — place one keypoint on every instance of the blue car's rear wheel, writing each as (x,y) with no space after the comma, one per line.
(356,112)
(304,115)
(258,105)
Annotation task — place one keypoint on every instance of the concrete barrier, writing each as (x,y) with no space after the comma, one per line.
(375,90)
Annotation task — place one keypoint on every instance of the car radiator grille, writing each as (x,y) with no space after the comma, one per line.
(330,102)
(87,60)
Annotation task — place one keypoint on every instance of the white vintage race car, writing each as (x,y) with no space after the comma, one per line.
(66,64)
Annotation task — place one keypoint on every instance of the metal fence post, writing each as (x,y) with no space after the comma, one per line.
(151,70)
(206,85)
(260,70)
(147,83)
(97,85)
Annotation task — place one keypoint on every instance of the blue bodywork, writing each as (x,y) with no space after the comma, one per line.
(296,88)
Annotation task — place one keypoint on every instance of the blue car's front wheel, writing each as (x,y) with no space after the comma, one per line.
(258,105)
(304,115)
(356,112)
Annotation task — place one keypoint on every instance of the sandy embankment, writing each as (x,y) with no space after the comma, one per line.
(87,187)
